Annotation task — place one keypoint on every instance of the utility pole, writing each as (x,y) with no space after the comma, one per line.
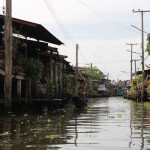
(142,34)
(76,71)
(135,65)
(131,57)
(91,75)
(8,56)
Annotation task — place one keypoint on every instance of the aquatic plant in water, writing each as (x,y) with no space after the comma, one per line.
(147,105)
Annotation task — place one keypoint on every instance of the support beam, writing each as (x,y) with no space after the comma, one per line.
(60,78)
(28,92)
(76,71)
(19,91)
(51,66)
(56,78)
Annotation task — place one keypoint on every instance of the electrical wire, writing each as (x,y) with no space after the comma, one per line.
(101,15)
(57,19)
(49,6)
(59,22)
(109,62)
(81,54)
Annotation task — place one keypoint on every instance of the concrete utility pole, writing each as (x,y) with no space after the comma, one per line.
(135,65)
(91,76)
(76,71)
(8,56)
(131,57)
(142,34)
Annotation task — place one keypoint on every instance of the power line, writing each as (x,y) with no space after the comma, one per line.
(55,16)
(139,29)
(109,62)
(83,56)
(101,15)
(49,6)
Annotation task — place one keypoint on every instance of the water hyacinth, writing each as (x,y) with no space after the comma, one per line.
(147,105)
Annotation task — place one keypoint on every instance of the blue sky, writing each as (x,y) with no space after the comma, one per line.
(100,27)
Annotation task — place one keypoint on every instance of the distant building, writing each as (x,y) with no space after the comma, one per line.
(120,88)
(104,87)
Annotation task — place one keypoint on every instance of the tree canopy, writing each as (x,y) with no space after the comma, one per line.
(148,44)
(93,72)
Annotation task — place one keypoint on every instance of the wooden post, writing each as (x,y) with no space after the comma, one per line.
(19,91)
(76,71)
(51,66)
(63,79)
(60,78)
(28,92)
(8,56)
(56,77)
(91,77)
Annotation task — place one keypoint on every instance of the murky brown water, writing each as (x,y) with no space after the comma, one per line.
(107,124)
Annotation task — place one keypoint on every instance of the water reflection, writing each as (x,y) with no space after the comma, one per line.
(108,123)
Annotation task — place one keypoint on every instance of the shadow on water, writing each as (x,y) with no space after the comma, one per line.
(107,123)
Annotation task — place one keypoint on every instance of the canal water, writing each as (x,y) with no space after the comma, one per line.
(106,124)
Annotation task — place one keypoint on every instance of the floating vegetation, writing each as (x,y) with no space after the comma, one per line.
(147,105)
(5,133)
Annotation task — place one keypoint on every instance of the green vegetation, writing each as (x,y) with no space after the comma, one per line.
(148,44)
(96,76)
(93,72)
(138,79)
(148,90)
(30,66)
(70,85)
(49,85)
(133,87)
(147,105)
(33,67)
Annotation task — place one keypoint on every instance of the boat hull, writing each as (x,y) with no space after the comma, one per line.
(80,102)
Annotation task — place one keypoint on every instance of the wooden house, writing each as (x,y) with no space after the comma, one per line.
(31,43)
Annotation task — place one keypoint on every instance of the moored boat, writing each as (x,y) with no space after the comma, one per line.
(79,101)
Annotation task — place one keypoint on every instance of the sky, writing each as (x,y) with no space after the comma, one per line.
(102,28)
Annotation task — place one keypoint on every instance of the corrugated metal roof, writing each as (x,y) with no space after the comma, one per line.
(32,30)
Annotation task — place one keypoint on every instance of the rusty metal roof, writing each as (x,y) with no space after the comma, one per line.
(32,30)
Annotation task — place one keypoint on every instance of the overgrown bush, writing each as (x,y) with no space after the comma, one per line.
(138,79)
(70,88)
(148,91)
(49,85)
(33,67)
